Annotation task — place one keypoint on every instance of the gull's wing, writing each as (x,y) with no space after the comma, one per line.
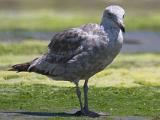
(62,48)
(66,44)
(72,51)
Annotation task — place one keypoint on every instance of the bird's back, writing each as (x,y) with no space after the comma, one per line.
(75,54)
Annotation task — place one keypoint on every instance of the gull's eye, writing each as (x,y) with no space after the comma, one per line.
(109,14)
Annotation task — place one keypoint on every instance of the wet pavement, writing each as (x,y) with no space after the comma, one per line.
(142,42)
(43,116)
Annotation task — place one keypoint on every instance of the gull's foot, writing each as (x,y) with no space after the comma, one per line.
(90,114)
(79,113)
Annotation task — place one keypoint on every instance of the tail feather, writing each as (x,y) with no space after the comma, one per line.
(21,67)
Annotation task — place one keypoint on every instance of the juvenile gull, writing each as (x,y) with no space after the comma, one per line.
(79,53)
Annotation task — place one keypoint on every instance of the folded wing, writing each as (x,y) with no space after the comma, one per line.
(62,48)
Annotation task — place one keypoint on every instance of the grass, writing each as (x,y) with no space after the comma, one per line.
(117,101)
(23,48)
(141,23)
(130,86)
(47,20)
(43,21)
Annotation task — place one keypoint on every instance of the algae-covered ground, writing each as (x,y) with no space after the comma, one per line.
(128,87)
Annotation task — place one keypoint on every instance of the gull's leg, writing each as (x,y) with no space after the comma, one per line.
(79,98)
(86,109)
(85,87)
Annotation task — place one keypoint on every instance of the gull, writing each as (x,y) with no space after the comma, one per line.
(79,53)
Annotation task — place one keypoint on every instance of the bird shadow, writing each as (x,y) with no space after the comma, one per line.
(44,114)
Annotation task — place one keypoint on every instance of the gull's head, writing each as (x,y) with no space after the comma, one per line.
(114,15)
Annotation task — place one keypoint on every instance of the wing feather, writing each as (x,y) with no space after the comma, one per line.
(67,41)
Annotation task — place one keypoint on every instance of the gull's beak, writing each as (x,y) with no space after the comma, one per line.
(121,25)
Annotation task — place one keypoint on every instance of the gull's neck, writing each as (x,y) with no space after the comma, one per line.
(108,25)
(113,31)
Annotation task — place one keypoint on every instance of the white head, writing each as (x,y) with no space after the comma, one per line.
(113,17)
